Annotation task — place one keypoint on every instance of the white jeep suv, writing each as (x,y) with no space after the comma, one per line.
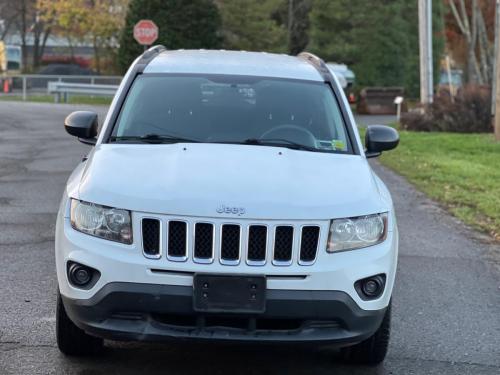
(227,197)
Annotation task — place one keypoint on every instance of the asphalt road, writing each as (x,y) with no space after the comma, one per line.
(446,302)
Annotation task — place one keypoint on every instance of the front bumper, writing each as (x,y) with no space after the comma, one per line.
(152,312)
(119,263)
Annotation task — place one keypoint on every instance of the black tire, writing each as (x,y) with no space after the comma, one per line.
(373,350)
(71,340)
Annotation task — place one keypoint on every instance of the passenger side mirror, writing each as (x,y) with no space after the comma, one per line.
(380,138)
(82,124)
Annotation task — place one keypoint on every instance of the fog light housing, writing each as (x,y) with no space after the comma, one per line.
(371,287)
(81,276)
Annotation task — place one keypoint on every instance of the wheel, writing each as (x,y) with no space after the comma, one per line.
(373,350)
(71,340)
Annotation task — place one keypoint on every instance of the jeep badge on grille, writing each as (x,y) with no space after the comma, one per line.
(231,210)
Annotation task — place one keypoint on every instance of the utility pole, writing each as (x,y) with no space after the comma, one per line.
(495,97)
(425,44)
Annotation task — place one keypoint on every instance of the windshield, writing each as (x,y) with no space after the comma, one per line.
(233,109)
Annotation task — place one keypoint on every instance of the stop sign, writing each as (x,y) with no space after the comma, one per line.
(145,32)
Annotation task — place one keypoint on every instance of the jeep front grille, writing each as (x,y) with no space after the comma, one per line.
(283,245)
(177,240)
(255,244)
(151,237)
(204,242)
(309,244)
(230,244)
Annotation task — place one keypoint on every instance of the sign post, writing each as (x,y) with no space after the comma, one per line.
(145,32)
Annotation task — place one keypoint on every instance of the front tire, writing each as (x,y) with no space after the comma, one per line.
(373,350)
(71,340)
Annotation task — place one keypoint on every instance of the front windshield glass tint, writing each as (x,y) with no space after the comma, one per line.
(234,109)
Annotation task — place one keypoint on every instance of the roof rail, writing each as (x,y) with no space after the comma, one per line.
(147,56)
(152,51)
(318,63)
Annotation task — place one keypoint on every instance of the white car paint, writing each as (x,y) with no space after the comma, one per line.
(269,182)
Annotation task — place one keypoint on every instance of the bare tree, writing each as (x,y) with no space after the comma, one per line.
(479,48)
(41,30)
(298,25)
(23,17)
(22,26)
(8,16)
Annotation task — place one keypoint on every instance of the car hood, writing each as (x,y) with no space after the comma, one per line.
(260,182)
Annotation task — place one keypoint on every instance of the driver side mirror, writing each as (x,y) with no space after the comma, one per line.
(82,124)
(380,138)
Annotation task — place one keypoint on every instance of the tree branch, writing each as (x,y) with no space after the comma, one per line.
(472,45)
(479,76)
(485,48)
(464,15)
(457,18)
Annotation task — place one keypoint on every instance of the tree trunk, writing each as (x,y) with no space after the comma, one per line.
(44,41)
(97,59)
(36,44)
(22,31)
(71,48)
(485,50)
(476,38)
(7,25)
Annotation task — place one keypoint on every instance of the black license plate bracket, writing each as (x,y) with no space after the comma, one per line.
(229,293)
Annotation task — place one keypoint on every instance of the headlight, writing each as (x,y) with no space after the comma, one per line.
(357,232)
(100,221)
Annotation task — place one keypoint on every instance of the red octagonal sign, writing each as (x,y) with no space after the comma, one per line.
(145,32)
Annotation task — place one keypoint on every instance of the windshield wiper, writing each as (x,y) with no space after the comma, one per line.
(278,142)
(152,138)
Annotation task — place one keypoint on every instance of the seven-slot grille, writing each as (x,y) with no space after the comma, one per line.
(177,240)
(257,244)
(204,241)
(309,244)
(230,243)
(283,245)
(225,242)
(151,237)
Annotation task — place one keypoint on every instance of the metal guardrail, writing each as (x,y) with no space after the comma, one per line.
(64,89)
(32,82)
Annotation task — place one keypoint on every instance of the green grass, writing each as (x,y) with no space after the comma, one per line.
(96,100)
(462,171)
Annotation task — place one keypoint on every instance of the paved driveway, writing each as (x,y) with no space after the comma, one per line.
(446,302)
